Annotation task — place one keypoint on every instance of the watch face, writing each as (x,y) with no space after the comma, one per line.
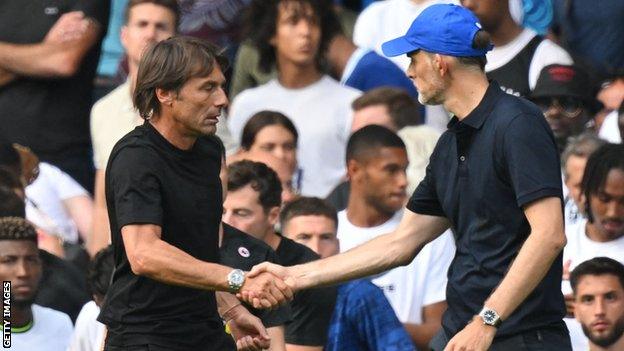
(237,278)
(489,316)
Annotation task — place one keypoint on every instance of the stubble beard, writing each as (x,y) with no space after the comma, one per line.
(609,339)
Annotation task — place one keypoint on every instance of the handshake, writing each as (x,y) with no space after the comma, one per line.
(268,285)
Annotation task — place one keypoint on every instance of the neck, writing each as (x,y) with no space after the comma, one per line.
(294,76)
(466,92)
(418,2)
(20,316)
(360,214)
(272,239)
(170,130)
(617,346)
(340,51)
(507,31)
(593,233)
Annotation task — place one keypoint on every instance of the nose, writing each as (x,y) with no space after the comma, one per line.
(150,33)
(615,209)
(469,4)
(599,307)
(304,27)
(401,179)
(315,245)
(22,270)
(221,100)
(227,218)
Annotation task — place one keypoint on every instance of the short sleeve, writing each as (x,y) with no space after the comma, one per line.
(375,320)
(424,200)
(135,187)
(312,310)
(95,9)
(531,159)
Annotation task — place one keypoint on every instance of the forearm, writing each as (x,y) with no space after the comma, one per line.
(225,302)
(529,268)
(168,264)
(40,60)
(80,209)
(375,256)
(278,342)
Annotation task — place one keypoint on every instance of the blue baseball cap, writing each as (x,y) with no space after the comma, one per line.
(445,29)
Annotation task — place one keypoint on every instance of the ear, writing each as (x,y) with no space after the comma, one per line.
(440,64)
(123,36)
(273,215)
(165,97)
(353,167)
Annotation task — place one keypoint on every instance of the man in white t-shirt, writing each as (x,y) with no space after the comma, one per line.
(519,54)
(89,333)
(573,161)
(113,116)
(32,327)
(376,165)
(319,106)
(602,233)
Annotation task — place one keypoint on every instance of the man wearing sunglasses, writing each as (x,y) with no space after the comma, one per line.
(566,97)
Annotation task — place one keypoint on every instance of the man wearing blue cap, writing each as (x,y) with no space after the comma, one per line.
(493,178)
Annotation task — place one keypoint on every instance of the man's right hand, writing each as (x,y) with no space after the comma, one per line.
(265,290)
(70,26)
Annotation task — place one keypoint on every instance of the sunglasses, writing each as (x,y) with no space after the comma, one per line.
(568,106)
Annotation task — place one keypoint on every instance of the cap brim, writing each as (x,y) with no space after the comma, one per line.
(398,46)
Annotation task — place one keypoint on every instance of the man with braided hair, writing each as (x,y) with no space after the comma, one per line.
(33,327)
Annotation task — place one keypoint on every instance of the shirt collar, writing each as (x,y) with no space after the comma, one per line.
(477,117)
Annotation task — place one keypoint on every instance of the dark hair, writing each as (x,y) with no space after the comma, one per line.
(582,145)
(307,206)
(172,5)
(597,266)
(402,108)
(11,205)
(168,65)
(10,159)
(264,119)
(260,177)
(480,41)
(8,179)
(599,164)
(261,19)
(367,140)
(16,228)
(100,271)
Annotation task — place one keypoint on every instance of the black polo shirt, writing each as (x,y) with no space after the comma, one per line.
(243,251)
(482,173)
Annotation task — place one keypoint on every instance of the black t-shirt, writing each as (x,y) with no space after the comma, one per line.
(312,309)
(243,251)
(150,181)
(50,115)
(482,172)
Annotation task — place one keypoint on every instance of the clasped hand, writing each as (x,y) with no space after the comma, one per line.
(267,285)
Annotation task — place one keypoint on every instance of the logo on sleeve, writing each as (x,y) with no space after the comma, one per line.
(51,11)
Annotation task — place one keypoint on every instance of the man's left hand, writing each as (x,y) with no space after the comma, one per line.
(476,336)
(247,330)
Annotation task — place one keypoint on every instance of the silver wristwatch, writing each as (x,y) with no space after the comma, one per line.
(490,317)
(236,279)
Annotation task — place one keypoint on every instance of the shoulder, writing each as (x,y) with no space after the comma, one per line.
(372,12)
(291,253)
(51,317)
(549,51)
(134,148)
(235,238)
(338,90)
(111,100)
(253,94)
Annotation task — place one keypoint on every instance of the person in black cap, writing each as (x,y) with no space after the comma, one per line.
(494,178)
(565,95)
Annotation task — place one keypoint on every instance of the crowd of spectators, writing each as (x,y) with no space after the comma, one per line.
(322,142)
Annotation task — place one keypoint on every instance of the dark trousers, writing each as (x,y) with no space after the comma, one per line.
(551,338)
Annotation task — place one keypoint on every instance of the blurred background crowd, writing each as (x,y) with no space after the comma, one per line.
(324,140)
